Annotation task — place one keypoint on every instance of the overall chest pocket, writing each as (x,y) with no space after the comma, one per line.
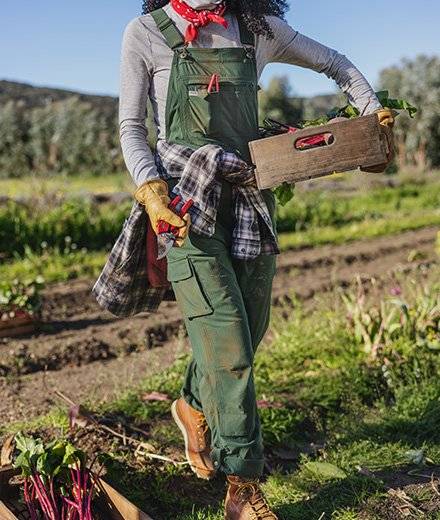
(220,115)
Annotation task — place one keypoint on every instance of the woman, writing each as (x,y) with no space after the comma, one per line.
(199,63)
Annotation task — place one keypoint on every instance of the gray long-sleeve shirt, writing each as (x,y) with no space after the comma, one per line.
(146,66)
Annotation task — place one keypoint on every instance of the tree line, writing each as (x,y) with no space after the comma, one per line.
(73,133)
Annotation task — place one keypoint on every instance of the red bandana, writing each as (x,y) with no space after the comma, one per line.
(197,18)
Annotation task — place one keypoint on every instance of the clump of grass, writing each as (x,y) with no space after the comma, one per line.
(394,223)
(378,327)
(54,265)
(26,227)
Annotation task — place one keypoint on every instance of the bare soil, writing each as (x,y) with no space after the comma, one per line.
(87,353)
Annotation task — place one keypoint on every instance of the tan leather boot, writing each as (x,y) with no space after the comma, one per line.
(246,501)
(197,437)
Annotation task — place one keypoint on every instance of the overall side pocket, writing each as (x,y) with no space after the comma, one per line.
(188,290)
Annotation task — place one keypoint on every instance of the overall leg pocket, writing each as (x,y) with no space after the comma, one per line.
(186,285)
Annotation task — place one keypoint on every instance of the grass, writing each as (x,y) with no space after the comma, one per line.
(42,240)
(320,208)
(341,422)
(54,266)
(397,222)
(41,186)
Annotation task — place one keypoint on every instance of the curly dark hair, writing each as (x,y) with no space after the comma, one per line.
(252,12)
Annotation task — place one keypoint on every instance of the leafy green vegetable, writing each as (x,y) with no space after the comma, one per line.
(284,193)
(395,104)
(58,484)
(30,451)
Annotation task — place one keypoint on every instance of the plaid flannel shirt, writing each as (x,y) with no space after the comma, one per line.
(122,288)
(200,172)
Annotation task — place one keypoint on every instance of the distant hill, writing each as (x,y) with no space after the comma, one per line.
(31,96)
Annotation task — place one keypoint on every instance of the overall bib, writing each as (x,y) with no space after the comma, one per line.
(225,301)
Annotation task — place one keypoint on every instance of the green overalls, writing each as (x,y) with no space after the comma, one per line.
(225,301)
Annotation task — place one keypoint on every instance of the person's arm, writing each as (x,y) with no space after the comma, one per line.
(134,87)
(290,46)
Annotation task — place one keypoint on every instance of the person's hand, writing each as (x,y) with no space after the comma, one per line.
(154,196)
(183,231)
(386,117)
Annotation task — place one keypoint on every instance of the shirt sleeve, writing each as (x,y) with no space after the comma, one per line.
(290,46)
(136,70)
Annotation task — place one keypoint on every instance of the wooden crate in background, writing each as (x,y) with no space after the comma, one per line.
(360,142)
(20,325)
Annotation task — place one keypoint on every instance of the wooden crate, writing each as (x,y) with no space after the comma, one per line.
(110,504)
(360,142)
(17,326)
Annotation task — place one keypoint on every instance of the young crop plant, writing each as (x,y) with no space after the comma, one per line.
(18,298)
(396,334)
(58,485)
(376,326)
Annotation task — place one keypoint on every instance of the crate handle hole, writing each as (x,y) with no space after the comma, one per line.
(317,140)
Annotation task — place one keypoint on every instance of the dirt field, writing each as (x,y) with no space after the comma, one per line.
(80,343)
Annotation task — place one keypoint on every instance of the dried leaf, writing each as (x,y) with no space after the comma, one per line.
(7,451)
(263,403)
(155,396)
(79,417)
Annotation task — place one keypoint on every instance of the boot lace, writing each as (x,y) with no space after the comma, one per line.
(202,428)
(251,492)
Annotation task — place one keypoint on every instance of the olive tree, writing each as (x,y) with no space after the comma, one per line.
(418,81)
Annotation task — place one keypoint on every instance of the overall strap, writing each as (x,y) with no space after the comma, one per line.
(246,36)
(166,26)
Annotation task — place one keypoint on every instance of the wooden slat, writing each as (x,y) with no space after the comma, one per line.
(6,473)
(5,513)
(17,326)
(357,143)
(118,507)
(13,332)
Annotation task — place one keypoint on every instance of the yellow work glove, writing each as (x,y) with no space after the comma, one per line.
(386,117)
(154,196)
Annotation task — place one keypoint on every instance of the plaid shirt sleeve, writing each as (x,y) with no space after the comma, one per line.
(122,288)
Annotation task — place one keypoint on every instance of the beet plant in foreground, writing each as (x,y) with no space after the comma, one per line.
(58,485)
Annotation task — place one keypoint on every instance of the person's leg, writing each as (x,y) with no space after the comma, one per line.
(255,279)
(221,376)
(190,388)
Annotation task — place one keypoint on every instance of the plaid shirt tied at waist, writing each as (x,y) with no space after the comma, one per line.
(122,288)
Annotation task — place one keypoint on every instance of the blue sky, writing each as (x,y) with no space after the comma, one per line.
(75,44)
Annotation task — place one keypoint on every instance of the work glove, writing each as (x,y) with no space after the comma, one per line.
(153,195)
(386,119)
